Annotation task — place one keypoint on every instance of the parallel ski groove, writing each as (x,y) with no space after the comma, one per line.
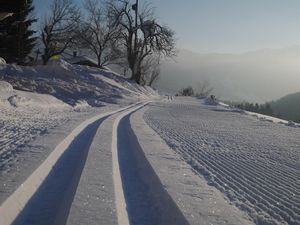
(259,177)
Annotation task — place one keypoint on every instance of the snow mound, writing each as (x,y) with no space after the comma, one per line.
(17,100)
(210,101)
(34,100)
(5,86)
(73,84)
(293,124)
(59,63)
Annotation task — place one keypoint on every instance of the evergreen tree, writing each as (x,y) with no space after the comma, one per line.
(256,107)
(16,40)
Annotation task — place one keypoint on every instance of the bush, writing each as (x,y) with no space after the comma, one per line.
(188,91)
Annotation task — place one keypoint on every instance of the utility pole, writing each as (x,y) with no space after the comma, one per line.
(135,7)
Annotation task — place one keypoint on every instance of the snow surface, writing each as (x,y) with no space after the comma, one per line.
(47,193)
(254,163)
(196,200)
(94,201)
(123,169)
(73,83)
(23,117)
(32,124)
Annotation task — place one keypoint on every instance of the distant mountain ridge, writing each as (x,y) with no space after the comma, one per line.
(254,76)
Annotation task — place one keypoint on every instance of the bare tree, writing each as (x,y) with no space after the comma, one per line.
(188,91)
(97,35)
(203,89)
(141,36)
(58,28)
(150,70)
(154,76)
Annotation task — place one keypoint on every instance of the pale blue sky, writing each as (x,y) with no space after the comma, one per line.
(226,25)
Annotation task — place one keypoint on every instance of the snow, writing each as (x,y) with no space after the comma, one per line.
(180,161)
(118,173)
(254,163)
(73,83)
(196,200)
(94,200)
(23,117)
(5,87)
(146,198)
(66,88)
(40,106)
(30,197)
(272,119)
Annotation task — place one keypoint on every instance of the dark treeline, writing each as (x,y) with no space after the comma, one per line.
(265,108)
(17,39)
(284,108)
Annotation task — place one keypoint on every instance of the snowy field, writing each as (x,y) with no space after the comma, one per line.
(255,163)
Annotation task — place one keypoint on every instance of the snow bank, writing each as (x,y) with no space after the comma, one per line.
(75,83)
(15,98)
(5,87)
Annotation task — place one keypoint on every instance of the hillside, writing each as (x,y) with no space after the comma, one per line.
(74,83)
(288,107)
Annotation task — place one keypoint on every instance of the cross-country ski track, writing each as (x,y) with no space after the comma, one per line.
(46,196)
(165,162)
(55,192)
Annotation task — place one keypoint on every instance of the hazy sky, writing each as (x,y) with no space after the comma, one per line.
(226,25)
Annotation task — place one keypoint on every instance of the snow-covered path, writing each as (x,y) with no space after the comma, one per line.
(47,194)
(114,169)
(255,163)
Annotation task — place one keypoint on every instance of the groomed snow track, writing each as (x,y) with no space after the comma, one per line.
(46,197)
(147,200)
(255,163)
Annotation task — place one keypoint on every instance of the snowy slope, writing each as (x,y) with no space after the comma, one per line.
(255,163)
(73,83)
(64,89)
(40,105)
